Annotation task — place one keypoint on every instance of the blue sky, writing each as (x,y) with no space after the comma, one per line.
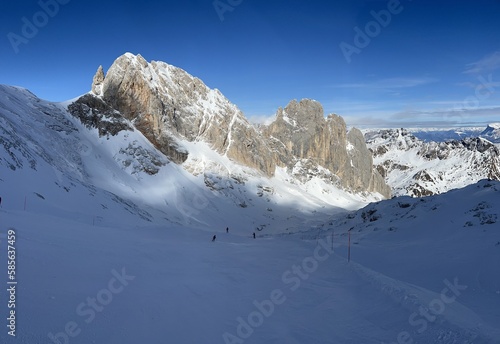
(424,63)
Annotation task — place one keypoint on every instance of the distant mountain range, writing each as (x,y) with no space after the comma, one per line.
(491,133)
(418,167)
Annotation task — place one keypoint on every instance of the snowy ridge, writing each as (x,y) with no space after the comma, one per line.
(417,168)
(492,132)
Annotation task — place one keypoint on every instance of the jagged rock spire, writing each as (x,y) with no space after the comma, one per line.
(97,81)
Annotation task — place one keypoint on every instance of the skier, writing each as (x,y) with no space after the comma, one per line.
(254,235)
(227,229)
(214,237)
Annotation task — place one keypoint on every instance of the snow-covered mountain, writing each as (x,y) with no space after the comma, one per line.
(174,109)
(90,160)
(492,132)
(147,132)
(417,168)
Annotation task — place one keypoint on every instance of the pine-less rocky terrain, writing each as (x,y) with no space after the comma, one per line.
(171,107)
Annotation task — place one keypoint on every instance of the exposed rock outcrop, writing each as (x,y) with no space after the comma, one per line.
(303,133)
(169,106)
(97,81)
(166,104)
(95,113)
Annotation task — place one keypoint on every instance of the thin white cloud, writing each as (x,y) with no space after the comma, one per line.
(482,83)
(487,64)
(261,119)
(391,83)
(467,84)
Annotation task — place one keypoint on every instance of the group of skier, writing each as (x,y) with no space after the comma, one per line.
(227,231)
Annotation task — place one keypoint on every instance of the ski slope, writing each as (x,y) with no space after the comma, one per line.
(179,287)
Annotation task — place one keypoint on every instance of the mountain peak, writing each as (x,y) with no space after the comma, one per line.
(173,108)
(304,111)
(133,57)
(492,132)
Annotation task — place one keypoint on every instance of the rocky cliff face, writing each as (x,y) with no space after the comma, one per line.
(169,107)
(167,104)
(300,131)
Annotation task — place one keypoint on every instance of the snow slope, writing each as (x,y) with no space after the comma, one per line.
(153,283)
(424,241)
